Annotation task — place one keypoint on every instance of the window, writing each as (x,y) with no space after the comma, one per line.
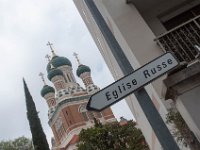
(58,123)
(65,79)
(59,85)
(66,92)
(72,78)
(184,35)
(181,18)
(68,78)
(60,94)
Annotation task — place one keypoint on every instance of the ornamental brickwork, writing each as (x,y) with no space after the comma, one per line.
(67,102)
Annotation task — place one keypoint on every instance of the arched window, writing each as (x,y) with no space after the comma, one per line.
(59,85)
(68,78)
(72,77)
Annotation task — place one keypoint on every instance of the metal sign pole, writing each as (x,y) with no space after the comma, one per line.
(165,138)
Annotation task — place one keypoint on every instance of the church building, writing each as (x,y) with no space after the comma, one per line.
(67,101)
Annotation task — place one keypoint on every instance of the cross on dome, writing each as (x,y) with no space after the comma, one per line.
(48,57)
(52,50)
(42,76)
(76,56)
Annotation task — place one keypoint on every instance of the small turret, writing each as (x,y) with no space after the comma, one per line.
(82,69)
(54,72)
(46,90)
(56,76)
(48,93)
(84,73)
(63,64)
(58,61)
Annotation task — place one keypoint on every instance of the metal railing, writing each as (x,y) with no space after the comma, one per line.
(183,40)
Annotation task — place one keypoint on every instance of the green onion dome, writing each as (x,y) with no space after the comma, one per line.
(81,69)
(47,89)
(54,72)
(58,61)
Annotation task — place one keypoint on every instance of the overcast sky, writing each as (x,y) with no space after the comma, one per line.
(26,27)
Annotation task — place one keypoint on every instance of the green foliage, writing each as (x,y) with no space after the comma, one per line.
(182,132)
(112,137)
(21,143)
(38,136)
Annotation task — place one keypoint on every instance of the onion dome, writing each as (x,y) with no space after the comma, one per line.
(82,69)
(54,72)
(58,61)
(47,89)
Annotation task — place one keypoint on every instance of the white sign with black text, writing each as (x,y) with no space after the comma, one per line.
(128,84)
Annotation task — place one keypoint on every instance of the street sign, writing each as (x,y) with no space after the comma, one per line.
(130,83)
(151,113)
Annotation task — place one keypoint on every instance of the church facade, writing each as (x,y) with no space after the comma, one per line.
(67,102)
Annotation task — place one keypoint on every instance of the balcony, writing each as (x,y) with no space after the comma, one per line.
(144,5)
(183,40)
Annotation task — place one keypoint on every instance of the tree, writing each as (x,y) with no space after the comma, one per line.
(112,136)
(182,132)
(21,143)
(38,136)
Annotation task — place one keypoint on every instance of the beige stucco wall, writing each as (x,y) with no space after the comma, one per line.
(155,11)
(139,45)
(135,28)
(188,105)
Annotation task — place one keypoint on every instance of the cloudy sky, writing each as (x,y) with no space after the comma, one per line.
(26,27)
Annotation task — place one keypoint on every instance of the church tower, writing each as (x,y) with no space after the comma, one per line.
(67,101)
(84,73)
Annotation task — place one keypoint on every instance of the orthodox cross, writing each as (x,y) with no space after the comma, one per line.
(52,50)
(48,57)
(42,76)
(76,56)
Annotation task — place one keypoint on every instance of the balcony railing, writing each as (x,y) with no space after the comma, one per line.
(183,40)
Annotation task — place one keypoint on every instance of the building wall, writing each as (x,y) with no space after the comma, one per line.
(138,47)
(73,122)
(188,105)
(135,26)
(161,10)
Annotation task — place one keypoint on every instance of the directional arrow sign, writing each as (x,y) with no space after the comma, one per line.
(128,84)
